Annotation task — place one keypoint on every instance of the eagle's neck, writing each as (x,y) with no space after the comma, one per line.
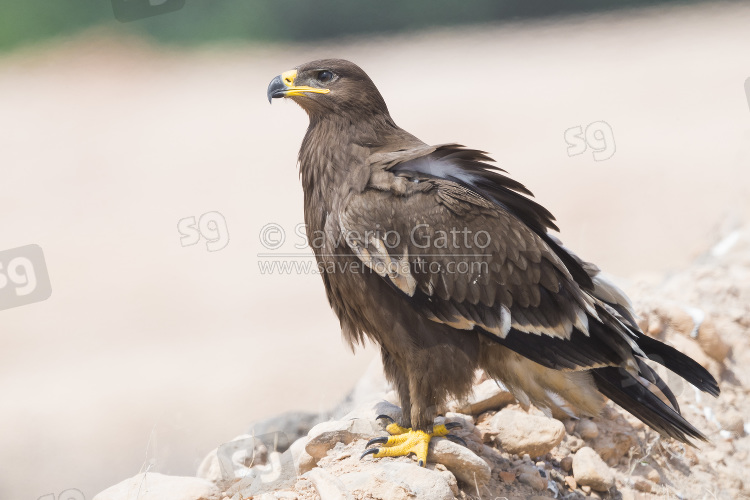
(333,160)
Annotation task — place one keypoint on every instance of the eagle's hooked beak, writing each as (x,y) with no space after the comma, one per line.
(283,86)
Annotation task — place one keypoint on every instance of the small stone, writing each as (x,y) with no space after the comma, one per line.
(586,489)
(507,476)
(462,462)
(655,326)
(614,444)
(570,482)
(711,342)
(566,463)
(570,425)
(590,470)
(574,443)
(527,469)
(533,480)
(486,396)
(678,319)
(521,433)
(653,476)
(691,456)
(587,429)
(642,484)
(732,421)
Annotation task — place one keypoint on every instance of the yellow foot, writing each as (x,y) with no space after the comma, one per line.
(403,441)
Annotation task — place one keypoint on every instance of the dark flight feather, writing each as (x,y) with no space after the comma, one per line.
(622,388)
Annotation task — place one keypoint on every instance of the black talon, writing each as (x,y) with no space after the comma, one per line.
(452,425)
(381,440)
(385,416)
(421,463)
(371,451)
(457,439)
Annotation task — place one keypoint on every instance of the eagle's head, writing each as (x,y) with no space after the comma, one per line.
(329,87)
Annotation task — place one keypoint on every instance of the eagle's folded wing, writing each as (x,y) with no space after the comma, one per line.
(462,260)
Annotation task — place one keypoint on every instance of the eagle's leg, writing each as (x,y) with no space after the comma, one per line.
(403,441)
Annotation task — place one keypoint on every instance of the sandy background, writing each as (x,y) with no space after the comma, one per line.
(151,354)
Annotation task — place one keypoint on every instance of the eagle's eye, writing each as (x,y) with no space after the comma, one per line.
(325,76)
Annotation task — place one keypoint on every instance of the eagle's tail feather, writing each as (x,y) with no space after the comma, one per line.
(679,363)
(625,390)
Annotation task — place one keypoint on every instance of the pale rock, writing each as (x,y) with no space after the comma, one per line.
(590,470)
(303,461)
(732,421)
(449,477)
(570,481)
(154,486)
(574,443)
(533,479)
(521,433)
(328,486)
(655,326)
(628,494)
(711,342)
(398,481)
(570,425)
(486,396)
(527,469)
(326,435)
(587,429)
(678,319)
(462,462)
(613,443)
(642,484)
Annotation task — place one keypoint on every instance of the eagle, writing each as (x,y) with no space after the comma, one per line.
(449,265)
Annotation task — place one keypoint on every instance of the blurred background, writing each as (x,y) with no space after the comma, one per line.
(144,160)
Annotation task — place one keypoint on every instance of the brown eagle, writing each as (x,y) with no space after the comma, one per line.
(447,264)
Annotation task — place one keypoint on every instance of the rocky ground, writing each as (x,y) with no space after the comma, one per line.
(514,452)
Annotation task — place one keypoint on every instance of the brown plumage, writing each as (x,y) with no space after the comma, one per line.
(447,264)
